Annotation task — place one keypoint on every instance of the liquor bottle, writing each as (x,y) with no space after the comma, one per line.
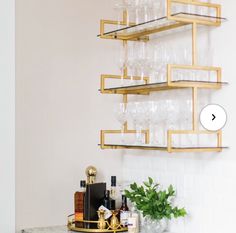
(113,188)
(106,200)
(124,212)
(113,193)
(79,204)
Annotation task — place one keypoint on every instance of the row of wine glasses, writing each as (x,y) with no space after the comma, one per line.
(140,11)
(157,116)
(148,59)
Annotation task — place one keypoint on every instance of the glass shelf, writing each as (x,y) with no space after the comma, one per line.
(151,147)
(139,31)
(147,88)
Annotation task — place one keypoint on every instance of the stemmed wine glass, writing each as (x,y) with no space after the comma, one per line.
(137,113)
(120,112)
(187,110)
(131,62)
(153,122)
(141,60)
(122,62)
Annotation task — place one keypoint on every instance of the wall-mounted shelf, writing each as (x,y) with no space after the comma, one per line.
(147,88)
(174,149)
(143,30)
(140,32)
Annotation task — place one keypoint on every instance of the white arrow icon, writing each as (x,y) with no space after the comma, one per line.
(213,117)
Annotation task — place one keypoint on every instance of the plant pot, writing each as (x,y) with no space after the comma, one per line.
(154,226)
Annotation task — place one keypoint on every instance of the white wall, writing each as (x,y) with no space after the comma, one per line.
(59,110)
(7,116)
(205,182)
(60,113)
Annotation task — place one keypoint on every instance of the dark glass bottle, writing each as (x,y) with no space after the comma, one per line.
(124,212)
(113,193)
(106,200)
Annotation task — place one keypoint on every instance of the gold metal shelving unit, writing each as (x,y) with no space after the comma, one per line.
(141,32)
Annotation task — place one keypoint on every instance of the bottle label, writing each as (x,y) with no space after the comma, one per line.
(124,216)
(108,213)
(132,223)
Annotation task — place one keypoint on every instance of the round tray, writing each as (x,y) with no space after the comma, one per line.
(73,228)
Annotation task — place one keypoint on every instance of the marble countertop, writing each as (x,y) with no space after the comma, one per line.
(57,229)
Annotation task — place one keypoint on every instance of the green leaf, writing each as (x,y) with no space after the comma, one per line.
(147,184)
(154,202)
(134,186)
(150,180)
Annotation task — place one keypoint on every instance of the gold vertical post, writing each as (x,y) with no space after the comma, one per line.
(125,17)
(194,89)
(194,109)
(194,44)
(102,139)
(168,74)
(169,142)
(219,138)
(125,73)
(168,8)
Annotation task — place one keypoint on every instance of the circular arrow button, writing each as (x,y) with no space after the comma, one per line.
(213,117)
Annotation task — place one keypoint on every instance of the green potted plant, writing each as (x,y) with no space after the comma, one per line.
(154,204)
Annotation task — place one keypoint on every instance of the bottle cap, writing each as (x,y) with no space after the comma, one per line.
(82,183)
(113,181)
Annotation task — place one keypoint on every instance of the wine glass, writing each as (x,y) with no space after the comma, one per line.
(120,112)
(131,62)
(186,111)
(136,111)
(122,62)
(153,122)
(141,60)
